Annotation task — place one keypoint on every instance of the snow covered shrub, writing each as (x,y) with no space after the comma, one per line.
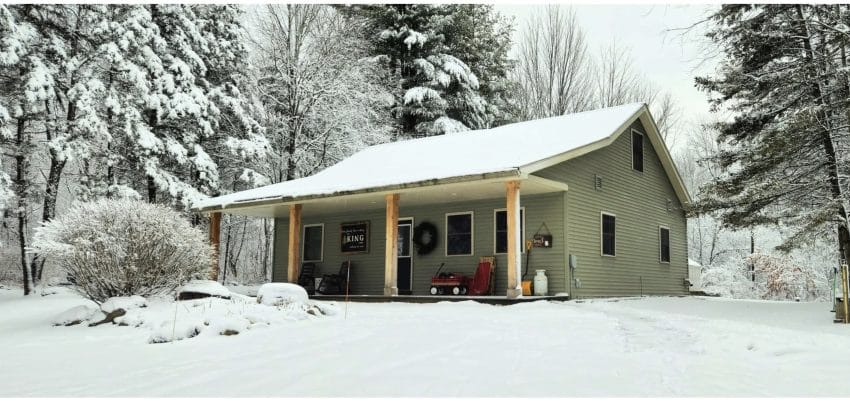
(777,277)
(781,278)
(124,247)
(727,280)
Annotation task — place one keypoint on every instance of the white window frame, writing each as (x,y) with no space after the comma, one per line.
(471,233)
(304,242)
(522,240)
(669,243)
(632,150)
(602,234)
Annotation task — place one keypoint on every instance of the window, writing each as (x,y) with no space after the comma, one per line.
(501,228)
(637,150)
(664,240)
(313,238)
(459,233)
(609,229)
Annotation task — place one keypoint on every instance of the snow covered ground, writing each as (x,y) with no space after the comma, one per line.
(629,347)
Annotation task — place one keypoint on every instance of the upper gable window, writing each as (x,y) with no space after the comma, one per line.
(637,151)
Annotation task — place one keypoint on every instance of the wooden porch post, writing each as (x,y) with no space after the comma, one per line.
(215,241)
(514,250)
(294,253)
(391,253)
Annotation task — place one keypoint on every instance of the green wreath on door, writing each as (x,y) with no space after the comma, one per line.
(425,237)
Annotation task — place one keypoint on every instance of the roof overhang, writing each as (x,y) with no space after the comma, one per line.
(459,188)
(451,190)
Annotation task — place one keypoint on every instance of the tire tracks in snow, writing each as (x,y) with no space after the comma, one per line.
(638,333)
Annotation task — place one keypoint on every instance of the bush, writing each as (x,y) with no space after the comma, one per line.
(782,278)
(777,277)
(728,280)
(124,247)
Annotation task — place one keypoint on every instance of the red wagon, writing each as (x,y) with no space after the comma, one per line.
(445,283)
(449,283)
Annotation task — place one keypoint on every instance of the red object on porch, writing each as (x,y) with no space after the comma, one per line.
(481,282)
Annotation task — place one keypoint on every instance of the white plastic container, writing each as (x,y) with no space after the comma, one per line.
(541,283)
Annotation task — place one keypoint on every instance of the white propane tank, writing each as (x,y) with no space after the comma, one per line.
(541,283)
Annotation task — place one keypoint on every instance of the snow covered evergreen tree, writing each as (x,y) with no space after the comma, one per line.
(481,37)
(9,49)
(192,85)
(785,78)
(137,98)
(26,85)
(435,91)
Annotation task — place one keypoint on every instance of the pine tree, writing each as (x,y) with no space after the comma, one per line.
(172,105)
(25,85)
(435,91)
(784,77)
(481,37)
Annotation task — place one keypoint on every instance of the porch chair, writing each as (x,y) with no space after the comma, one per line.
(336,284)
(307,277)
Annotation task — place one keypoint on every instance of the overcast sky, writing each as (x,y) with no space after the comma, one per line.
(667,58)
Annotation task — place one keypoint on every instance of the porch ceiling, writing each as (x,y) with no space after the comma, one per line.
(429,195)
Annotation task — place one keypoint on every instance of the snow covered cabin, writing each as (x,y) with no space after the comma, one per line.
(596,192)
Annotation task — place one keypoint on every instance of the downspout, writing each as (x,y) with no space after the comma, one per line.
(569,272)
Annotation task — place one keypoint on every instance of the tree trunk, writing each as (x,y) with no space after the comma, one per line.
(49,209)
(290,162)
(267,243)
(21,186)
(227,250)
(235,263)
(151,190)
(828,145)
(54,175)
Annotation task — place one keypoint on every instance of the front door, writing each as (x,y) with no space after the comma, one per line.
(405,259)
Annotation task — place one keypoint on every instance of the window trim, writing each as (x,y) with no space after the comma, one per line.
(669,247)
(522,229)
(304,242)
(642,150)
(602,234)
(471,233)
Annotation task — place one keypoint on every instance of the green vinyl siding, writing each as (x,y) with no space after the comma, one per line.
(368,269)
(639,200)
(642,201)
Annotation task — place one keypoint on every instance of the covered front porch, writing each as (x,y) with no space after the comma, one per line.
(386,265)
(425,299)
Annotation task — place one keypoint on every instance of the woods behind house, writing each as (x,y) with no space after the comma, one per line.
(172,103)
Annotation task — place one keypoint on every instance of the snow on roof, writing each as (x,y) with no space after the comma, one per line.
(497,150)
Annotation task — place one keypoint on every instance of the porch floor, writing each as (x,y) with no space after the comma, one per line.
(423,299)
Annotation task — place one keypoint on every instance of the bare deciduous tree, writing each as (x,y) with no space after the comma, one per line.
(320,98)
(668,117)
(617,81)
(552,68)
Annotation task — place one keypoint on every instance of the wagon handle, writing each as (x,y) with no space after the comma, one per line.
(439,268)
